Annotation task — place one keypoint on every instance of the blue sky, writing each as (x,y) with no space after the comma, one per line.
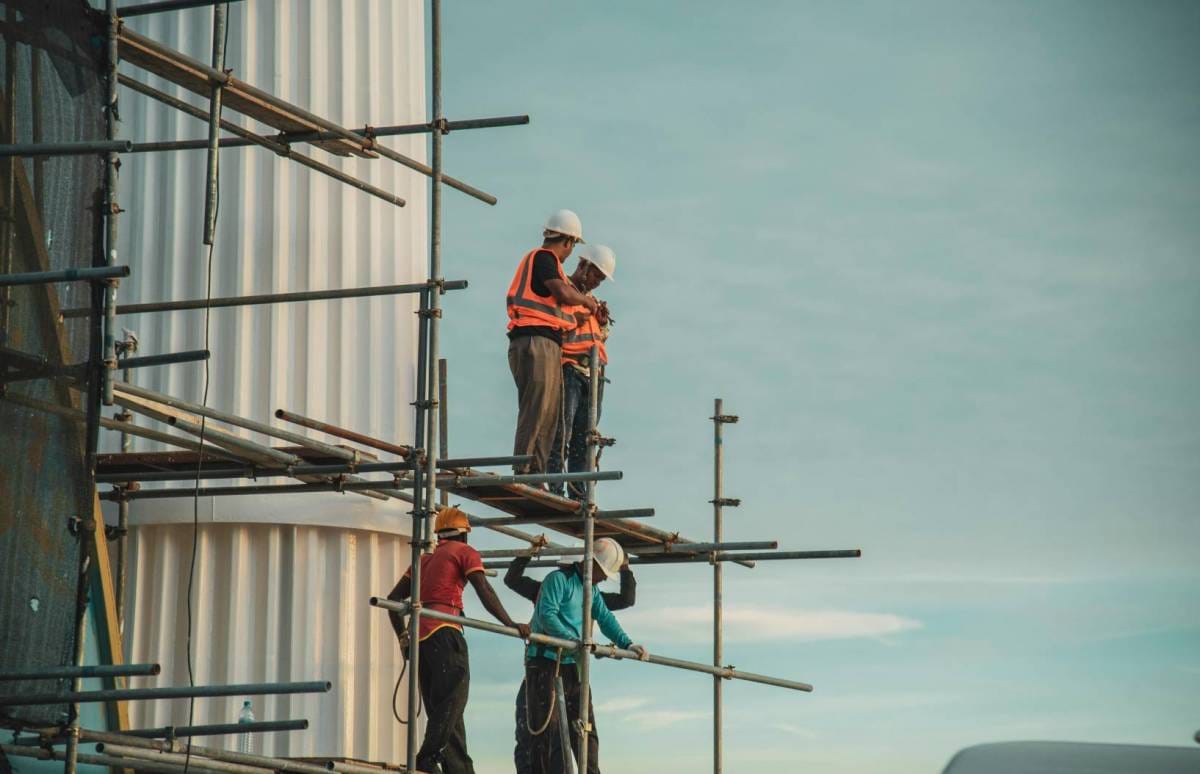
(943,259)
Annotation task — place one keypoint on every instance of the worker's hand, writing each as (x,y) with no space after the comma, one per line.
(524,630)
(602,315)
(642,653)
(591,304)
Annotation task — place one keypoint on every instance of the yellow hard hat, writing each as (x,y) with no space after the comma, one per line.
(451,520)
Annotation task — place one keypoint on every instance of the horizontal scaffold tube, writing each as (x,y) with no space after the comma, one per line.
(113,762)
(444,482)
(572,518)
(177,759)
(267,298)
(219,729)
(705,558)
(98,670)
(37,149)
(110,742)
(682,548)
(86,274)
(172,358)
(170,692)
(609,651)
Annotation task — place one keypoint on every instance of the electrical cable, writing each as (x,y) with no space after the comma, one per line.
(199,465)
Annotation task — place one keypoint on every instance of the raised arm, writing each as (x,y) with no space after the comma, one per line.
(608,623)
(628,594)
(515,579)
(491,603)
(565,293)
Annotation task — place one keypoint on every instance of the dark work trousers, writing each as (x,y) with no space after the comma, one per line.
(523,752)
(535,362)
(445,674)
(539,686)
(571,439)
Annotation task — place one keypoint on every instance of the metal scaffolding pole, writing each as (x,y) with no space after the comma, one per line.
(169,692)
(90,274)
(219,729)
(111,209)
(141,9)
(48,149)
(584,723)
(99,670)
(719,500)
(266,298)
(606,651)
(427,377)
(719,556)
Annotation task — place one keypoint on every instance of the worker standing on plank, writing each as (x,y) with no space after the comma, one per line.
(559,613)
(596,264)
(516,580)
(539,303)
(444,666)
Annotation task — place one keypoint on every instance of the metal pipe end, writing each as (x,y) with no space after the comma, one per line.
(279,413)
(155,669)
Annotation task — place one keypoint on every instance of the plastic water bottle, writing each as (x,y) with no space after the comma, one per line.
(245,716)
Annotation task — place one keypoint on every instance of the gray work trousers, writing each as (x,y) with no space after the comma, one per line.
(536,365)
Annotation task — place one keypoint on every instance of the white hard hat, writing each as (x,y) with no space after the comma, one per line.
(603,258)
(565,222)
(609,555)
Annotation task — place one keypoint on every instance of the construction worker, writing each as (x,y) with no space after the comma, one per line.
(596,264)
(444,667)
(516,580)
(542,307)
(559,613)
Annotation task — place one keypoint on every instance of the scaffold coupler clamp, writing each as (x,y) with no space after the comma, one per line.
(594,438)
(727,502)
(725,419)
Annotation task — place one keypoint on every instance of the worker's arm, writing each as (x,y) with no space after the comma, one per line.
(400,593)
(491,602)
(608,622)
(565,293)
(515,579)
(628,593)
(550,611)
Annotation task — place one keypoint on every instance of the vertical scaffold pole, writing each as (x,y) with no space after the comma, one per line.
(425,491)
(214,125)
(718,584)
(443,421)
(111,209)
(584,724)
(719,502)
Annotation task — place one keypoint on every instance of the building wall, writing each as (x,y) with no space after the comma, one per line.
(281,583)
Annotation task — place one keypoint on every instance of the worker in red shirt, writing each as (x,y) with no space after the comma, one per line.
(444,666)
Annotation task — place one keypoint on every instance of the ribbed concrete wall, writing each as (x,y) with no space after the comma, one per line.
(281,583)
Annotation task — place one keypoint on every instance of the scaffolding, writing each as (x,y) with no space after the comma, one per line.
(422,474)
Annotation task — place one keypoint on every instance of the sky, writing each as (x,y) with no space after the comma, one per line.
(943,260)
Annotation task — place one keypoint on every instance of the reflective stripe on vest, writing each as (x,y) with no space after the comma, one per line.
(578,343)
(525,307)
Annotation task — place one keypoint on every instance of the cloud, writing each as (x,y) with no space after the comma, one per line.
(761,624)
(655,719)
(622,704)
(791,729)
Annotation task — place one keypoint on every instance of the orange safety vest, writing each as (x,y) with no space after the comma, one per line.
(577,344)
(526,308)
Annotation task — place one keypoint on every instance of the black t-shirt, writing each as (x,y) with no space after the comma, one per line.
(545,267)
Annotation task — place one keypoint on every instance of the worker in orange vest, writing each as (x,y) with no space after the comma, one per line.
(596,264)
(543,307)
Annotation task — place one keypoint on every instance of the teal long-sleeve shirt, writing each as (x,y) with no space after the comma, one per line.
(559,613)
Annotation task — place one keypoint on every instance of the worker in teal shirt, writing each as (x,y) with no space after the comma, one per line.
(559,613)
